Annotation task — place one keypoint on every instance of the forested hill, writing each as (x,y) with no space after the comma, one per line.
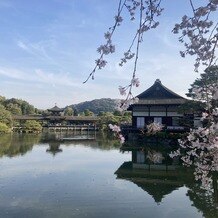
(97,105)
(17,106)
(20,107)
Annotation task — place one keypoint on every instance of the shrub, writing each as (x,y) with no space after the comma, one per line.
(32,126)
(5,116)
(4,128)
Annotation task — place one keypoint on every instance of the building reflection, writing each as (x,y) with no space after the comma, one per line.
(154,173)
(54,147)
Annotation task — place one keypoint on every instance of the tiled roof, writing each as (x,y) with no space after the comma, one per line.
(56,109)
(161,101)
(158,91)
(158,94)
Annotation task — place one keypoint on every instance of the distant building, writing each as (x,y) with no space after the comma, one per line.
(157,104)
(57,117)
(56,111)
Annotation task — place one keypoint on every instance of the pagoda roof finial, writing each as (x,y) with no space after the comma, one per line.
(157,81)
(56,109)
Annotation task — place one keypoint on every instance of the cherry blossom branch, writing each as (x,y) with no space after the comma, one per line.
(195,31)
(117,132)
(199,35)
(200,147)
(108,47)
(151,10)
(135,81)
(148,10)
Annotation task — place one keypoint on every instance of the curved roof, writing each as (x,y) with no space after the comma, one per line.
(56,109)
(158,94)
(158,91)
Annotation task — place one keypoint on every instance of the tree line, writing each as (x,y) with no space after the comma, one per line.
(13,106)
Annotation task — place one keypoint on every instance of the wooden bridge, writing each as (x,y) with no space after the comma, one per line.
(59,123)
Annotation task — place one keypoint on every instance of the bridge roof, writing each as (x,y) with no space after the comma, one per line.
(70,118)
(56,109)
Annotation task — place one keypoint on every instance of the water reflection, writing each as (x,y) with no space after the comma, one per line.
(156,183)
(49,177)
(158,176)
(17,144)
(203,201)
(54,148)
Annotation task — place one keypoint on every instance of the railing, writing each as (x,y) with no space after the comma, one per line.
(175,128)
(71,127)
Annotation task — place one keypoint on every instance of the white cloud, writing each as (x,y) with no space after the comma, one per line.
(175,73)
(14,74)
(39,49)
(22,45)
(39,76)
(43,89)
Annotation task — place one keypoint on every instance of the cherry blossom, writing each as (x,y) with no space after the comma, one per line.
(153,128)
(155,157)
(148,12)
(200,147)
(117,131)
(199,35)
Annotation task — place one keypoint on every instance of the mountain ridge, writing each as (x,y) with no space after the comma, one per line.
(97,105)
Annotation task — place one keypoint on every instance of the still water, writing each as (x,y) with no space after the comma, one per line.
(42,176)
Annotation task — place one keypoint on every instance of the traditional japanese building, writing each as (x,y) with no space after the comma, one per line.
(56,120)
(157,104)
(56,111)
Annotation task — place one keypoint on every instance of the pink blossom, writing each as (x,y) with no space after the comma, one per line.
(155,157)
(117,131)
(154,128)
(122,90)
(135,82)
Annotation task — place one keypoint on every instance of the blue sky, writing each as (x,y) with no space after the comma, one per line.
(48,48)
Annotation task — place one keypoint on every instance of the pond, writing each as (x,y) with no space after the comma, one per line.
(42,176)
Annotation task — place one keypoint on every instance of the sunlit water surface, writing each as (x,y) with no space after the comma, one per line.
(43,177)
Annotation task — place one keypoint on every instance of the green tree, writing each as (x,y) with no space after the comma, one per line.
(127,114)
(101,113)
(87,112)
(191,107)
(106,119)
(32,126)
(203,88)
(126,119)
(75,112)
(5,116)
(68,111)
(117,113)
(4,128)
(2,99)
(14,109)
(18,106)
(27,108)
